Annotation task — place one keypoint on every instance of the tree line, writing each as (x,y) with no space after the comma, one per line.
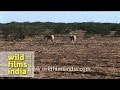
(23,29)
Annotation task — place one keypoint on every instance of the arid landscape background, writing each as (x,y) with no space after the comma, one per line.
(100,54)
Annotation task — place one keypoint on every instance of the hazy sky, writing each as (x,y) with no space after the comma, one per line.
(60,16)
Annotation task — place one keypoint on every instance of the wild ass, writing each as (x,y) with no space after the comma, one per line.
(49,37)
(73,38)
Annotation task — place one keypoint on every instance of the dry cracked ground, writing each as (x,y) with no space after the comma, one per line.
(101,55)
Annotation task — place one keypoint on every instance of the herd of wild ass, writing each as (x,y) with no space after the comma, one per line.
(51,38)
(46,38)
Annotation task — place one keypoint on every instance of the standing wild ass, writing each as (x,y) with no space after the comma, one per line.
(73,38)
(49,37)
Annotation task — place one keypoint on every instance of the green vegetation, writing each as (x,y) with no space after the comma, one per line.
(41,28)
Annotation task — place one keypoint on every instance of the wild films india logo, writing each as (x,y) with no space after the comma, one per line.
(17,64)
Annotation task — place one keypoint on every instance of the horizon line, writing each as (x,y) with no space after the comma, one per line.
(55,22)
